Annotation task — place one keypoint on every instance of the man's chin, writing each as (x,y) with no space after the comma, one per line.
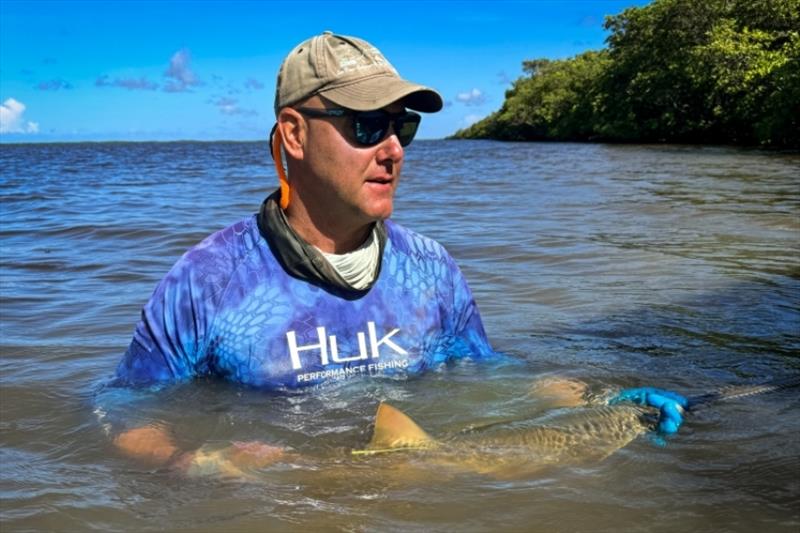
(377,213)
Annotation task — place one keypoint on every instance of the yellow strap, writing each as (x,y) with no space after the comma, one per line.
(388,450)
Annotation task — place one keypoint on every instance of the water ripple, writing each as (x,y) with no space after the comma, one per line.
(620,265)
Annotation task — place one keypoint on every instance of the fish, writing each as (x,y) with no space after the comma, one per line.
(514,449)
(572,434)
(520,448)
(405,453)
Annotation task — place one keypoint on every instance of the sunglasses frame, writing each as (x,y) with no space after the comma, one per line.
(395,120)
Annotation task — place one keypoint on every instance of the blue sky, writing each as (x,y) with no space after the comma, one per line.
(147,70)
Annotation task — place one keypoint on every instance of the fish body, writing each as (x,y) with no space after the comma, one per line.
(514,449)
(507,449)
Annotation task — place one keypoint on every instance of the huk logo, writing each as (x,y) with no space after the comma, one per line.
(328,346)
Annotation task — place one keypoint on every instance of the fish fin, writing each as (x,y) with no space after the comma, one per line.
(394,429)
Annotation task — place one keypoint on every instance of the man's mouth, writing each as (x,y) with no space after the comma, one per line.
(380,180)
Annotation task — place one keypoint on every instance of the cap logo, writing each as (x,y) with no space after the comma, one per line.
(352,59)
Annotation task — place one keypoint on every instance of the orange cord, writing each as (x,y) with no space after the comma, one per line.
(276,156)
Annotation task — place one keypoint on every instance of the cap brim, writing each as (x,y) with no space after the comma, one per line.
(377,92)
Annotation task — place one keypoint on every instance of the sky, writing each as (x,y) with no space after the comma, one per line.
(205,70)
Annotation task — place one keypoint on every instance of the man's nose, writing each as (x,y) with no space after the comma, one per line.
(390,148)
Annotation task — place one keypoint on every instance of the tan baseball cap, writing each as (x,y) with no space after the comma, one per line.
(351,73)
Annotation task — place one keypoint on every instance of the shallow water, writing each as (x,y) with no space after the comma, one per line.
(620,265)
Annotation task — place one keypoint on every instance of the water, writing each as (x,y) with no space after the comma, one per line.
(618,265)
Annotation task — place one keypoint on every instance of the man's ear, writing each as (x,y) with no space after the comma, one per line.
(293,132)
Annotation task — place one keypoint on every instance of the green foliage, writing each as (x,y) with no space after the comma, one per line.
(740,69)
(721,71)
(554,102)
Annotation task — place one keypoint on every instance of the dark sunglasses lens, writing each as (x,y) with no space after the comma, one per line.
(406,127)
(371,129)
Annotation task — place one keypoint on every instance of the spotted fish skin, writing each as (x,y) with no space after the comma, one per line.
(519,448)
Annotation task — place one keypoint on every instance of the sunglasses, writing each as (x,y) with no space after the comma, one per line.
(371,127)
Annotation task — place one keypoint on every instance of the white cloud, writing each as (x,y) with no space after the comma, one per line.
(182,77)
(469,120)
(132,84)
(230,106)
(473,97)
(11,121)
(54,85)
(253,84)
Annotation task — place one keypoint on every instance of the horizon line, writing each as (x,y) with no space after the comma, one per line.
(163,141)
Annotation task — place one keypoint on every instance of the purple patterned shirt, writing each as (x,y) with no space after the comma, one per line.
(229,309)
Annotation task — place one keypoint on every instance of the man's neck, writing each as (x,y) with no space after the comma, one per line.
(328,236)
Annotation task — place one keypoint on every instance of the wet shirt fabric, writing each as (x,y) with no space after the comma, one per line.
(228,308)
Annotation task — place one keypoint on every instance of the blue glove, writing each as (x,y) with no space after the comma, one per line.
(671,405)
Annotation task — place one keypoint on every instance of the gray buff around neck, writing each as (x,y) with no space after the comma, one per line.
(302,260)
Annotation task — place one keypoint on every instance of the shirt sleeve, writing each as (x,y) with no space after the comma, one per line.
(468,334)
(170,339)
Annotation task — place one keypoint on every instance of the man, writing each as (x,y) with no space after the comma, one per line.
(319,285)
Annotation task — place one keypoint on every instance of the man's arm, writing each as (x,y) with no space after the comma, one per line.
(469,335)
(169,341)
(153,445)
(166,347)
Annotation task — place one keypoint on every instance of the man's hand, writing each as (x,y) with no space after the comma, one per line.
(151,444)
(559,392)
(670,404)
(154,446)
(253,454)
(231,461)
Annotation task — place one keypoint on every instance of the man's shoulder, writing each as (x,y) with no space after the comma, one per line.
(235,240)
(409,242)
(221,252)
